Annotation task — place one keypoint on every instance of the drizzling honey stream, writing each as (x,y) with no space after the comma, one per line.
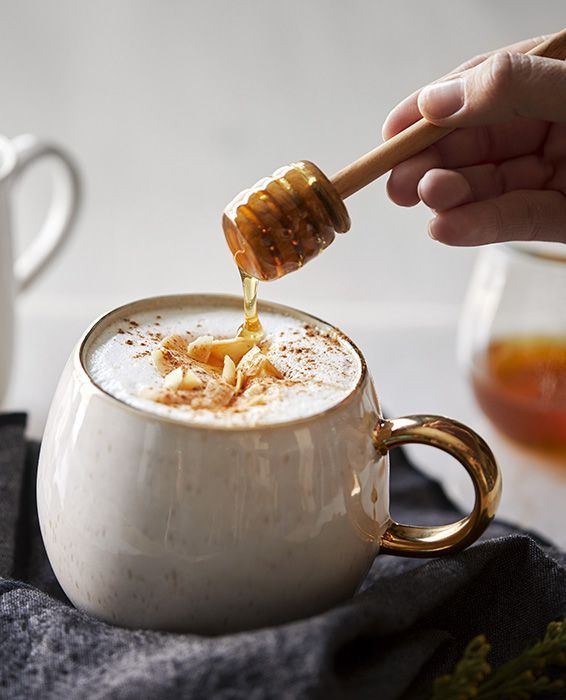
(251,328)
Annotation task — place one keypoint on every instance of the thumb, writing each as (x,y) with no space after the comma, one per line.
(503,87)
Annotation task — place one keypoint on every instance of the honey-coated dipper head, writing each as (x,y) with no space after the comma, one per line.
(283,221)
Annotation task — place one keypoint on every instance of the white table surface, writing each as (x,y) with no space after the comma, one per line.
(410,350)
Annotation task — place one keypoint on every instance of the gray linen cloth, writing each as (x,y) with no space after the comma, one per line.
(409,622)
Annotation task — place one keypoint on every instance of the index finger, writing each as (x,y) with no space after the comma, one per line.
(407,111)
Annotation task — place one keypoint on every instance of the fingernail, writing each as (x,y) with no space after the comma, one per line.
(431,229)
(441,100)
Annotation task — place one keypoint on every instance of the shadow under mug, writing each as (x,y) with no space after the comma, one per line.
(153,522)
(17,156)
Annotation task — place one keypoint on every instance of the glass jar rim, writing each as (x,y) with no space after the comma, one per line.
(541,250)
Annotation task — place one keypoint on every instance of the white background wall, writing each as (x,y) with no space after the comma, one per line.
(172,107)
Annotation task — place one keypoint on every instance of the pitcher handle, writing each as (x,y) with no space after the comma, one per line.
(62,211)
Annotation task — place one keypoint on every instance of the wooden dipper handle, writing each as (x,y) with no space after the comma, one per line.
(417,137)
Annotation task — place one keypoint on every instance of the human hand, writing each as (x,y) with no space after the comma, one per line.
(501,175)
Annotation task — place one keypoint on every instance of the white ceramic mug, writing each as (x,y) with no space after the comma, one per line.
(150,521)
(16,156)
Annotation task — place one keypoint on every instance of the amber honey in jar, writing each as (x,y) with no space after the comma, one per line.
(513,342)
(520,384)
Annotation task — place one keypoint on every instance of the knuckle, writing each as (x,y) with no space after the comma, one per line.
(533,217)
(500,79)
(500,71)
(523,220)
(497,227)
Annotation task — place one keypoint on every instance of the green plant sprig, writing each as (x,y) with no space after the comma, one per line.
(540,669)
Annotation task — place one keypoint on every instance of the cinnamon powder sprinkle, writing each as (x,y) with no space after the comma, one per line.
(215,393)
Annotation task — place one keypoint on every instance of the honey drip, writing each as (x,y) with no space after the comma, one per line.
(251,328)
(520,384)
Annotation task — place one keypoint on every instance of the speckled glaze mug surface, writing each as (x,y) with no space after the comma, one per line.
(152,522)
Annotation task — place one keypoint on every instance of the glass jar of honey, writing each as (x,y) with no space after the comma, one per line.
(512,342)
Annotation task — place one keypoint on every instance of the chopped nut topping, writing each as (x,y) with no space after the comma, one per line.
(255,395)
(181,379)
(201,348)
(229,370)
(170,354)
(207,349)
(255,364)
(173,379)
(190,380)
(209,373)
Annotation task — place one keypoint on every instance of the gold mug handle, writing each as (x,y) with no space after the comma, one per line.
(473,453)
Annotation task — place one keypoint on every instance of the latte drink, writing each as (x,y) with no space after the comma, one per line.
(306,368)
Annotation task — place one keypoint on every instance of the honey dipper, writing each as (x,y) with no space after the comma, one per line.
(285,220)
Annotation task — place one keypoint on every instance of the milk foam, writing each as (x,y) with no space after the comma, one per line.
(321,368)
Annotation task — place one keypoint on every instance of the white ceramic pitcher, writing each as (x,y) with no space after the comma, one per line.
(16,156)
